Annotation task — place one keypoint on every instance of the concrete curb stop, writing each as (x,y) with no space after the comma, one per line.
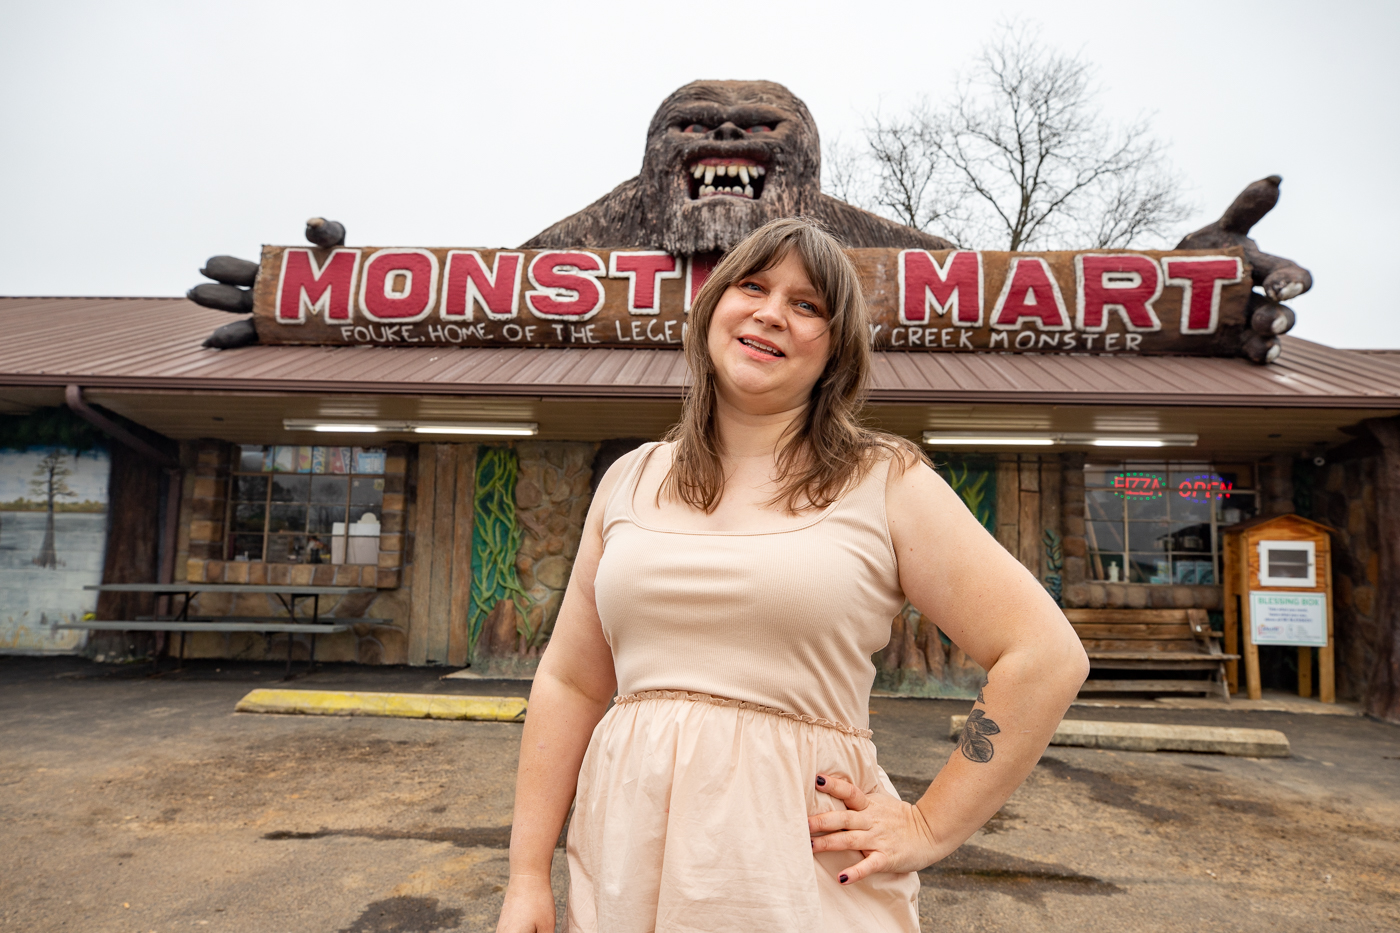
(1150,737)
(402,705)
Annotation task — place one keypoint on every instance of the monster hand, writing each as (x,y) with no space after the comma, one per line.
(1280,279)
(234,289)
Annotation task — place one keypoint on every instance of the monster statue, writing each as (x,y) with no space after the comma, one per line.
(724,157)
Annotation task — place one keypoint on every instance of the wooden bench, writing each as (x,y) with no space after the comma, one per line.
(287,594)
(1150,640)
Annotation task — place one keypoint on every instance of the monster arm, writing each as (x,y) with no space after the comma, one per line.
(1281,279)
(233,281)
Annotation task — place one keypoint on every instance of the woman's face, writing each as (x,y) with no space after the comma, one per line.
(769,339)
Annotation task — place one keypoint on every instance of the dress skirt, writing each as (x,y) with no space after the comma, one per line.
(691,815)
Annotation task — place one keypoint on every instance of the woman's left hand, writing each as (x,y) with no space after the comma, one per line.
(891,834)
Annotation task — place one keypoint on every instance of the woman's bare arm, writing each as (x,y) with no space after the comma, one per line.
(991,606)
(956,574)
(573,686)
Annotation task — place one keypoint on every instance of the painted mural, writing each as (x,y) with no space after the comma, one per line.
(53,530)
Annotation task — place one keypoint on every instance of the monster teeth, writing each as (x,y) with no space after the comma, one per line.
(744,174)
(699,170)
(709,174)
(733,170)
(748,191)
(760,171)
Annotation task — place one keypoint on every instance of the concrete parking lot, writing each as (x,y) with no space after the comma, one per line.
(145,803)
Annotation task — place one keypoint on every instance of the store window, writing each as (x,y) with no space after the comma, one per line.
(306,505)
(1158,522)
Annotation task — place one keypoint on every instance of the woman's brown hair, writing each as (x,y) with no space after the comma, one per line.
(828,447)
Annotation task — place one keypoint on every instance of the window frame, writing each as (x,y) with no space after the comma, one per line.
(232,502)
(1298,583)
(1213,553)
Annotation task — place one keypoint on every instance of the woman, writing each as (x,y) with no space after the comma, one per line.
(731,586)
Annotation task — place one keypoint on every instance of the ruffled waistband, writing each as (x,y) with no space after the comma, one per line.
(741,704)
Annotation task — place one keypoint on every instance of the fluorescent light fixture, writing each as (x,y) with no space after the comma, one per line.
(1129,442)
(328,426)
(989,440)
(465,428)
(344,428)
(1039,439)
(486,429)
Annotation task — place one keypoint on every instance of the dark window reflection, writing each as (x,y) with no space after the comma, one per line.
(281,513)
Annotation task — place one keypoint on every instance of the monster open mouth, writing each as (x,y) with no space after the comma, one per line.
(725,177)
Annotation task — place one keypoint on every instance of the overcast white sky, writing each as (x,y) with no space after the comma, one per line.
(140,138)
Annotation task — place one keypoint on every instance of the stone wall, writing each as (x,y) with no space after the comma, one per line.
(1343,495)
(551,498)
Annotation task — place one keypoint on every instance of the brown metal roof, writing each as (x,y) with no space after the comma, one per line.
(154,344)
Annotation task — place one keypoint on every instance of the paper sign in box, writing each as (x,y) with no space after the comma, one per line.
(1288,618)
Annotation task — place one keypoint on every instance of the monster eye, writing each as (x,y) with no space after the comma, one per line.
(696,128)
(759,129)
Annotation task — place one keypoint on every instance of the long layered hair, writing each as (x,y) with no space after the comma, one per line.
(827,448)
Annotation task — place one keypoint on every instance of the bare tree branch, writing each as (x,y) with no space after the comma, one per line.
(843,173)
(1021,156)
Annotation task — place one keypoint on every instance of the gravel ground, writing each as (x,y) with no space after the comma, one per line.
(144,803)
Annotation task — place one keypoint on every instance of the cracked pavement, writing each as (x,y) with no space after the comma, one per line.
(144,803)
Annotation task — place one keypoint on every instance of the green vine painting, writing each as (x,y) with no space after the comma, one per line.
(496,538)
(975,484)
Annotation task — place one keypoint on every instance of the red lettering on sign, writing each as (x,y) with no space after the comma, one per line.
(1204,487)
(1121,282)
(399,285)
(1030,292)
(697,270)
(1137,485)
(953,288)
(466,283)
(307,288)
(1201,279)
(644,271)
(566,285)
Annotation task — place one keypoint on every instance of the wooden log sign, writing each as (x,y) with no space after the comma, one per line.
(1106,301)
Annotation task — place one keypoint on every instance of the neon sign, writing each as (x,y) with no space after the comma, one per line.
(1138,485)
(1205,487)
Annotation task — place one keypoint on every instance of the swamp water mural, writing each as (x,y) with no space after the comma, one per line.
(53,531)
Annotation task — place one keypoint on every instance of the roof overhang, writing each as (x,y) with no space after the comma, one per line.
(142,358)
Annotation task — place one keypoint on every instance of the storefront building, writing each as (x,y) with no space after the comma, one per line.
(454,481)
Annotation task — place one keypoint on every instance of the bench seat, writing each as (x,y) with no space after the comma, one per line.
(241,625)
(1132,640)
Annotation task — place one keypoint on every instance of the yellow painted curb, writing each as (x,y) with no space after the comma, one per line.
(405,705)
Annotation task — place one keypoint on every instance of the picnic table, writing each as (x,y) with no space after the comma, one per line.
(288,595)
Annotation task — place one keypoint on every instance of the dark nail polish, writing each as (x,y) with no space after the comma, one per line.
(844,879)
(821,781)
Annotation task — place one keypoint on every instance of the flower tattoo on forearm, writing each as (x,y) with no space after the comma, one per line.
(973,740)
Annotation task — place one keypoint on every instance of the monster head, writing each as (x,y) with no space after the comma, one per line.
(723,158)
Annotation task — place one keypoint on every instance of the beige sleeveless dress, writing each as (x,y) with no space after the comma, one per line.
(743,668)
